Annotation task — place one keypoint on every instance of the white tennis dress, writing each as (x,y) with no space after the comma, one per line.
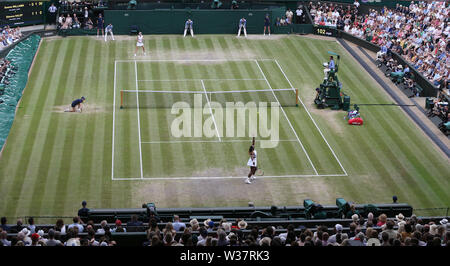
(140,41)
(250,161)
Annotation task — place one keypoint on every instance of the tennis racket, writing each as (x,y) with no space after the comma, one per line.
(259,172)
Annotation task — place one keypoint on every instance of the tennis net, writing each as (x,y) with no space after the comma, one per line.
(166,99)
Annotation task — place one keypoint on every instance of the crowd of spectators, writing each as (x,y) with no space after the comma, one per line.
(6,71)
(362,231)
(333,14)
(418,32)
(76,15)
(291,17)
(10,35)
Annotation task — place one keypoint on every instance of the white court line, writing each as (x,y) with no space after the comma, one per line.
(139,120)
(114,122)
(209,141)
(332,151)
(184,80)
(210,110)
(190,60)
(295,133)
(210,92)
(168,178)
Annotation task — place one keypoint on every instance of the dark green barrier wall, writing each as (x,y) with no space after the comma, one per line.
(172,21)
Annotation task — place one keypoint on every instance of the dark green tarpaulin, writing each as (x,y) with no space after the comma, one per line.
(21,56)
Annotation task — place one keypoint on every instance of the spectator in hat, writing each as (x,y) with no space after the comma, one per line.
(444,222)
(242,225)
(83,212)
(24,235)
(177,224)
(400,219)
(394,199)
(118,228)
(209,224)
(34,240)
(40,232)
(338,230)
(373,239)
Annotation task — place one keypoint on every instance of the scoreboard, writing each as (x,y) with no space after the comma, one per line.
(21,13)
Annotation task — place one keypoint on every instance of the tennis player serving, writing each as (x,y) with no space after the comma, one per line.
(252,163)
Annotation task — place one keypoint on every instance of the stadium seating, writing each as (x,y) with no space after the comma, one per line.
(251,213)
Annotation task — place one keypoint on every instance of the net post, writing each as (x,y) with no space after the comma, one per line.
(296,97)
(121,99)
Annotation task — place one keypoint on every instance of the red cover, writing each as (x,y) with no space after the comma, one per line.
(355,121)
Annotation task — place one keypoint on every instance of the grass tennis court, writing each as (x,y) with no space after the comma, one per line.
(145,126)
(53,160)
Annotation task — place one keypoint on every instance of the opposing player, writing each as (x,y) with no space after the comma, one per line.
(109,29)
(76,105)
(252,163)
(242,25)
(266,24)
(188,26)
(100,22)
(140,43)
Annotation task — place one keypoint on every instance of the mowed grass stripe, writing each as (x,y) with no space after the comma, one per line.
(72,122)
(45,161)
(127,144)
(89,151)
(30,145)
(110,197)
(15,142)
